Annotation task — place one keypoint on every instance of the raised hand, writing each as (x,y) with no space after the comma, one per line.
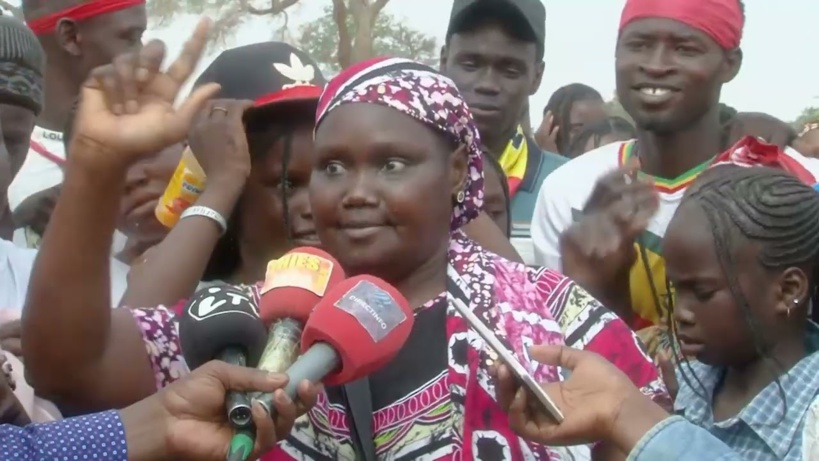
(598,250)
(614,185)
(218,140)
(127,107)
(546,134)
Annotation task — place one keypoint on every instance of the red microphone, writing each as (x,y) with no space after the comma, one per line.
(293,285)
(357,328)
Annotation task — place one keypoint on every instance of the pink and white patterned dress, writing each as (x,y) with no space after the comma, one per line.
(453,415)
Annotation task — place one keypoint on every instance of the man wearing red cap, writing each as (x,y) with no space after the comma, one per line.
(672,59)
(77,36)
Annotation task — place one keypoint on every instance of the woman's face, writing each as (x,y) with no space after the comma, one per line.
(582,113)
(268,196)
(382,189)
(144,185)
(711,324)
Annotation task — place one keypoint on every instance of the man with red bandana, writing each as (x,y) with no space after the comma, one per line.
(77,36)
(672,59)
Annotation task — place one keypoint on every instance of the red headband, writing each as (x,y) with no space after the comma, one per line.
(750,151)
(48,24)
(721,19)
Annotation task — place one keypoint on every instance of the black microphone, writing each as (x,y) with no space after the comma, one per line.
(223,323)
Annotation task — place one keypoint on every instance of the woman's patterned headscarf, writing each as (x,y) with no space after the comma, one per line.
(425,95)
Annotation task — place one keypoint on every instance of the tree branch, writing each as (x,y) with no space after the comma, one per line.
(378,6)
(276,7)
(345,41)
(15,11)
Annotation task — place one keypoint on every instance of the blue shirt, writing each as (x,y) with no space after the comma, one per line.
(675,439)
(768,428)
(100,436)
(539,164)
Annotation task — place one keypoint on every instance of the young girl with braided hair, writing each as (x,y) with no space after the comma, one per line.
(741,254)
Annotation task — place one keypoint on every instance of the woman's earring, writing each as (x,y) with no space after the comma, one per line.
(460,196)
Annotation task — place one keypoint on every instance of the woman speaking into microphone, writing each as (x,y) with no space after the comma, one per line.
(396,175)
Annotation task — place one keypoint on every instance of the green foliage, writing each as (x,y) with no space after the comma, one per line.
(11,9)
(808,115)
(391,37)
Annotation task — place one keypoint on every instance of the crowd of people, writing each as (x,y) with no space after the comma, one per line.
(655,274)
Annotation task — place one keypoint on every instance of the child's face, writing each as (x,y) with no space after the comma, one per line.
(711,323)
(144,185)
(494,200)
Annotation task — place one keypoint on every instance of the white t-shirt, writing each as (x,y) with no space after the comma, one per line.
(15,270)
(565,191)
(42,169)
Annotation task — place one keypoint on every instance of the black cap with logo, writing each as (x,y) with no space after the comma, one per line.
(530,13)
(267,73)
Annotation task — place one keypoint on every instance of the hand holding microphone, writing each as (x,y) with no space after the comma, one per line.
(223,323)
(357,328)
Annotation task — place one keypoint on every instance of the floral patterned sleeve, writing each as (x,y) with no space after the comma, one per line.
(159,331)
(588,325)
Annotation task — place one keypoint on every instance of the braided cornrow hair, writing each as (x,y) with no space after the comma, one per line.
(768,207)
(560,105)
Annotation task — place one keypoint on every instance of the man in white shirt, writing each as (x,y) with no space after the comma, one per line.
(21,96)
(672,59)
(16,263)
(75,43)
(22,62)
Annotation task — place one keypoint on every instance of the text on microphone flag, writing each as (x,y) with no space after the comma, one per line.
(373,308)
(218,301)
(300,270)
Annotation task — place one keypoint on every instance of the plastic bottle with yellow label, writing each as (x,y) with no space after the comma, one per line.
(187,184)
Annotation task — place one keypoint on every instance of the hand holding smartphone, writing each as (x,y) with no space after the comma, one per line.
(510,360)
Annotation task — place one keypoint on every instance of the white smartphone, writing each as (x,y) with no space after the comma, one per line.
(510,360)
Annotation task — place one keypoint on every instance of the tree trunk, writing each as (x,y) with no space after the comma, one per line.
(345,40)
(353,48)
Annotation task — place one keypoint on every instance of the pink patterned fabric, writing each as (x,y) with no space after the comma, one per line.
(533,306)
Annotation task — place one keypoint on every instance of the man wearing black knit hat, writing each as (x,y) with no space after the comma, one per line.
(21,97)
(494,54)
(22,61)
